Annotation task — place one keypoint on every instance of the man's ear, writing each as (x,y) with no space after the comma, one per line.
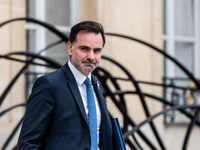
(69,47)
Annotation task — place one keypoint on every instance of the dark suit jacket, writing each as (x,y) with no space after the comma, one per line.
(55,117)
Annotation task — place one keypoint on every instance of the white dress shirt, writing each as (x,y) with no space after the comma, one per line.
(80,78)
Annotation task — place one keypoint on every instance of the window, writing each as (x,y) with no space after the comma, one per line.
(60,13)
(181,36)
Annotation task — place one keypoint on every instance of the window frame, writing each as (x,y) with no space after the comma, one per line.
(170,40)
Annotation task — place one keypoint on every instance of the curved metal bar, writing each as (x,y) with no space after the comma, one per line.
(33,55)
(26,61)
(44,24)
(158,99)
(17,126)
(11,108)
(31,61)
(162,52)
(12,134)
(166,85)
(148,120)
(53,63)
(190,130)
(140,94)
(50,46)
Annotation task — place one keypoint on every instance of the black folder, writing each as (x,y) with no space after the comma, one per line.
(118,140)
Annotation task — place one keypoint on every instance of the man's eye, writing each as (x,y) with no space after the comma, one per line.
(97,50)
(84,48)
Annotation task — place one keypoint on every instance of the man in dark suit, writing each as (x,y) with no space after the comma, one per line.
(56,116)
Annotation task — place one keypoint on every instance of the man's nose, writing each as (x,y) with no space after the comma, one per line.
(90,55)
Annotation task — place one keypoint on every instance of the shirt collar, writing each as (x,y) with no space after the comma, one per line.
(79,77)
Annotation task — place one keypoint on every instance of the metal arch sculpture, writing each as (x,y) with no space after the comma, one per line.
(141,94)
(127,121)
(105,75)
(120,105)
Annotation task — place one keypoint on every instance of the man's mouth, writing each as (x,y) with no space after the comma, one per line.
(89,62)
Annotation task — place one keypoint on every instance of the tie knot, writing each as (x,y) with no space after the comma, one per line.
(87,82)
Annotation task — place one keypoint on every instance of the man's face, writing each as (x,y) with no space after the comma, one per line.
(85,53)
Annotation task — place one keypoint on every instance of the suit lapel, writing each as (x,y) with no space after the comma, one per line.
(96,86)
(75,91)
(100,97)
(106,127)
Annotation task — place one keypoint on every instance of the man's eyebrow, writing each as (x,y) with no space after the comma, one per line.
(100,48)
(83,46)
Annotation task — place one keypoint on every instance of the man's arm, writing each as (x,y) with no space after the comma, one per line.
(38,114)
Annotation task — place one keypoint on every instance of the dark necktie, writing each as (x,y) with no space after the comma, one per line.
(92,114)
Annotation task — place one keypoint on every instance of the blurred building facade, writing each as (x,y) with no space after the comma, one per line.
(166,24)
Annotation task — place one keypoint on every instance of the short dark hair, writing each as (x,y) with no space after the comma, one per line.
(89,26)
